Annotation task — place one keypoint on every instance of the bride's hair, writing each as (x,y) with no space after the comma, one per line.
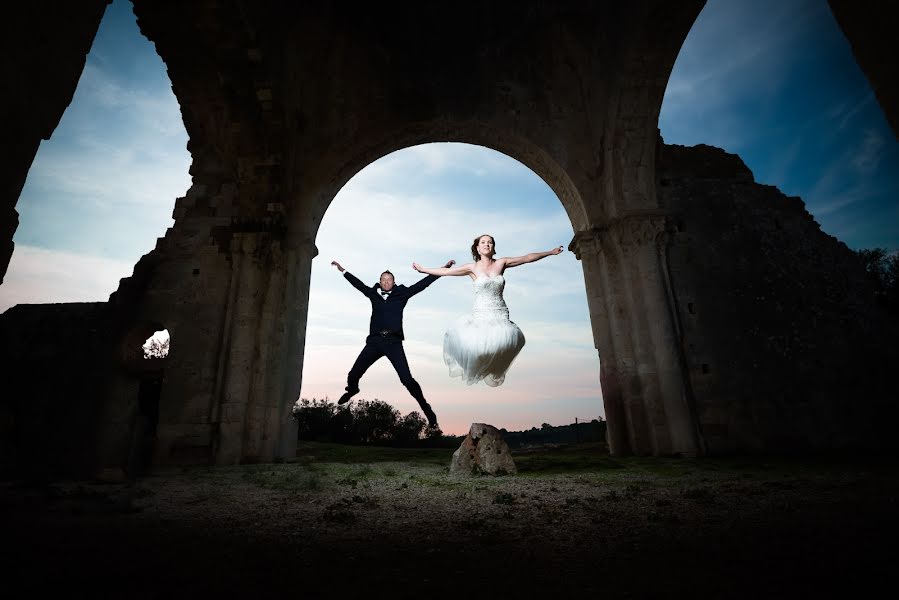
(474,246)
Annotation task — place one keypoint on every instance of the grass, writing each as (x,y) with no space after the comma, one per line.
(285,477)
(323,466)
(340,453)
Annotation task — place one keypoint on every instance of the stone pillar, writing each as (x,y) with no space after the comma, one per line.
(644,383)
(262,362)
(262,358)
(603,304)
(289,374)
(271,430)
(239,352)
(265,424)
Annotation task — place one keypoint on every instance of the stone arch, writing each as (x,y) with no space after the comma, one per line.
(474,137)
(516,146)
(645,387)
(581,112)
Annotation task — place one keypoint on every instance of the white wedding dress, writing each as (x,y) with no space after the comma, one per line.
(482,345)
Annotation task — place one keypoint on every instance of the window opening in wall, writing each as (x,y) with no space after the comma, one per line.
(157,345)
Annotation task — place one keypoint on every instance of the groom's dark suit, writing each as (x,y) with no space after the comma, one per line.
(385,336)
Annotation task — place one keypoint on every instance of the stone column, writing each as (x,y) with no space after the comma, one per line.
(289,374)
(239,353)
(264,422)
(262,360)
(645,386)
(608,340)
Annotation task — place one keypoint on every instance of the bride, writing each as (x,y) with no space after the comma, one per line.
(482,345)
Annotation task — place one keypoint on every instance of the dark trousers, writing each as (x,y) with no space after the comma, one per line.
(377,346)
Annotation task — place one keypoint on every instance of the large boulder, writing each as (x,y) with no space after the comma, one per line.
(483,451)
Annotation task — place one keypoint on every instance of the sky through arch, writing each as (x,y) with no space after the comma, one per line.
(776,83)
(426,204)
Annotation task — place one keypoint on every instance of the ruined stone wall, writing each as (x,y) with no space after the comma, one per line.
(56,359)
(221,274)
(784,342)
(183,285)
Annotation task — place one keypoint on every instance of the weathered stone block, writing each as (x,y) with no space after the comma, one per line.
(483,451)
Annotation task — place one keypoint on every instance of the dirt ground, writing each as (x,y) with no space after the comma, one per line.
(402,525)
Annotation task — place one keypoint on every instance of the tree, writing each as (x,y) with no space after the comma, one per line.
(156,348)
(374,421)
(364,422)
(883,270)
(313,418)
(409,429)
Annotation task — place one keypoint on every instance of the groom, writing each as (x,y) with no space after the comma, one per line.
(385,334)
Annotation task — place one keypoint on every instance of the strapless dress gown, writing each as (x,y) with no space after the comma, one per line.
(481,346)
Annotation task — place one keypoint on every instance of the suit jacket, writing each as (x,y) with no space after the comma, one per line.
(388,314)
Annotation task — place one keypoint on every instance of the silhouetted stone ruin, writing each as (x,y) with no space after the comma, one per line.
(724,318)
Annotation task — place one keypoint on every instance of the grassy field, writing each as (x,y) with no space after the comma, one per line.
(323,468)
(348,520)
(594,459)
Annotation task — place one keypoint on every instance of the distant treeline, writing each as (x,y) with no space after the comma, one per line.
(579,433)
(362,422)
(375,422)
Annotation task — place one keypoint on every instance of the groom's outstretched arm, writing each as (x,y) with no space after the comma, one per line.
(421,284)
(354,281)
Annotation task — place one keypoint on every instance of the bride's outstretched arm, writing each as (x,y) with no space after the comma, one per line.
(447,270)
(514,261)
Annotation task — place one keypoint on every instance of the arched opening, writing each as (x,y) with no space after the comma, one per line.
(778,85)
(144,363)
(426,203)
(100,190)
(156,351)
(157,345)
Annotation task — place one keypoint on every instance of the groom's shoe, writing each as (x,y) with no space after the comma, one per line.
(432,418)
(347,395)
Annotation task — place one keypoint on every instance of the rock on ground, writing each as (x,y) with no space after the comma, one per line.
(483,451)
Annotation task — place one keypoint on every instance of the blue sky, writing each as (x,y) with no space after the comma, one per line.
(774,82)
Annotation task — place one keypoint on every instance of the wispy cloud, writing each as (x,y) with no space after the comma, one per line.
(735,59)
(867,155)
(150,108)
(846,116)
(105,183)
(784,161)
(145,160)
(40,276)
(844,181)
(776,82)
(431,160)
